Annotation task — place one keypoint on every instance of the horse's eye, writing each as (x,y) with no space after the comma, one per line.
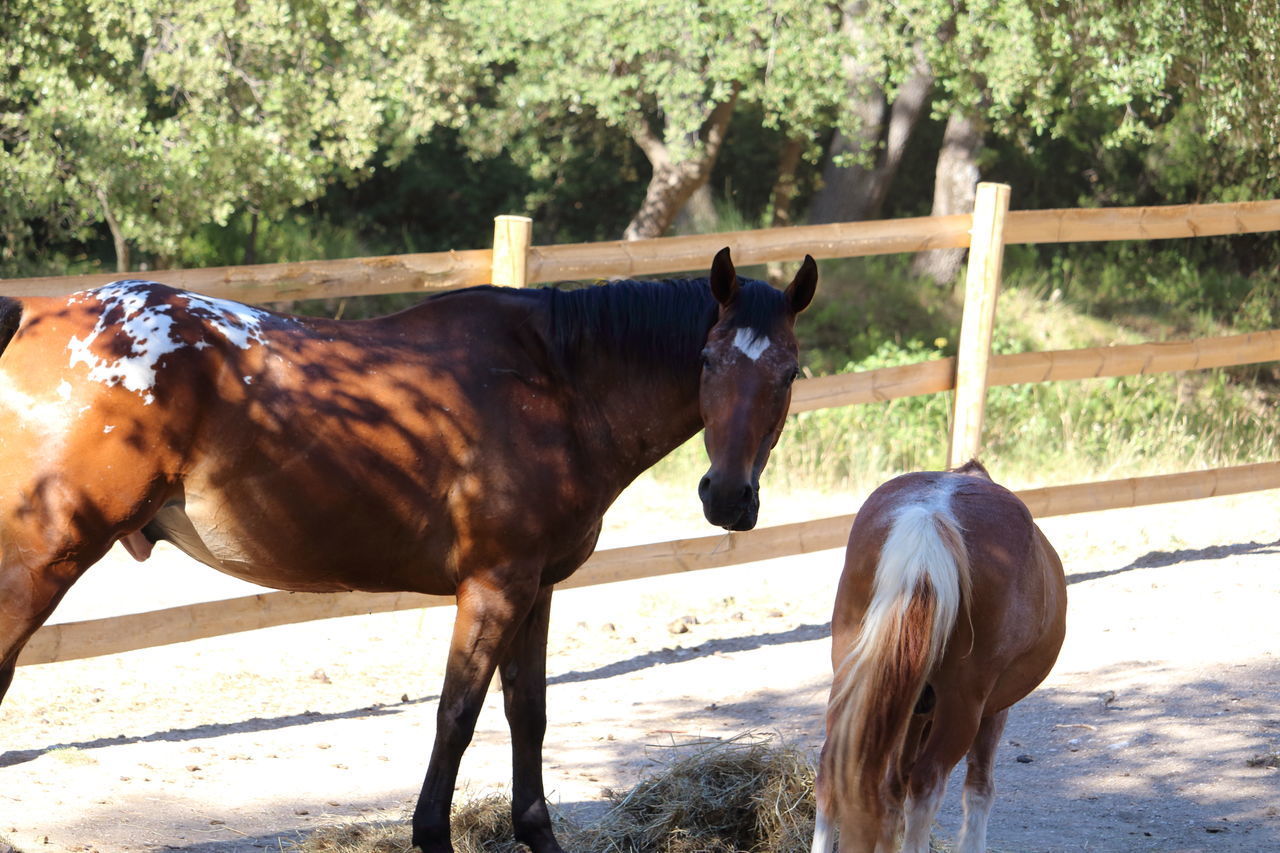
(795,374)
(706,359)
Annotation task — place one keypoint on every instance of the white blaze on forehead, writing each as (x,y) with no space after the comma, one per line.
(150,331)
(750,344)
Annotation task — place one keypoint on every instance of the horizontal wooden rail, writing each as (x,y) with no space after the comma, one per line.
(930,377)
(1052,501)
(444,270)
(629,259)
(874,386)
(92,638)
(132,631)
(300,280)
(1163,222)
(1135,359)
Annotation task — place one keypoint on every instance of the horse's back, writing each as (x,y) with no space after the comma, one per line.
(122,400)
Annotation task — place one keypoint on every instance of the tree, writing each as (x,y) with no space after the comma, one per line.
(154,116)
(1031,69)
(666,74)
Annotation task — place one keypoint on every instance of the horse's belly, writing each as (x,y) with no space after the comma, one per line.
(200,532)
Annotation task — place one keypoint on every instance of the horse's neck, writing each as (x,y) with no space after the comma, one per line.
(637,420)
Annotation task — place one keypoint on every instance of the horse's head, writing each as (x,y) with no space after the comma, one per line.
(748,365)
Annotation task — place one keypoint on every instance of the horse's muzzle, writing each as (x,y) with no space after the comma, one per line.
(733,506)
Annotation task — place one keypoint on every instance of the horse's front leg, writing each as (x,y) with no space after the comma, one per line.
(524,689)
(35,572)
(491,608)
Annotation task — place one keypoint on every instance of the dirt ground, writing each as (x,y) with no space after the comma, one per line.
(1159,729)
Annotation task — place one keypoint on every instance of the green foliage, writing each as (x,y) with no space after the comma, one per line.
(158,117)
(864,303)
(297,236)
(1196,85)
(174,119)
(652,72)
(742,178)
(1159,289)
(619,61)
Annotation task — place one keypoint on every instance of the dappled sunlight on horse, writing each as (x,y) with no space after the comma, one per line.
(467,446)
(951,608)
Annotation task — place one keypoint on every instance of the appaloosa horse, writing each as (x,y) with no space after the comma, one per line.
(951,607)
(468,446)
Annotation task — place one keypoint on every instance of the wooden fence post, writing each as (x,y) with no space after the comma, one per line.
(511,238)
(981,289)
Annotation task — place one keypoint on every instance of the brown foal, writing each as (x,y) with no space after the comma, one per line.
(951,607)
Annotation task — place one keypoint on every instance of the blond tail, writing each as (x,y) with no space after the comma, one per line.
(920,583)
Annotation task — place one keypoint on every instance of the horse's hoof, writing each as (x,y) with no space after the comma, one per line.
(539,840)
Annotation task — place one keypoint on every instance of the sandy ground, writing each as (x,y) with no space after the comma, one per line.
(1152,733)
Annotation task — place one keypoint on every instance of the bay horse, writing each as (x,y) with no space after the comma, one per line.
(951,608)
(468,446)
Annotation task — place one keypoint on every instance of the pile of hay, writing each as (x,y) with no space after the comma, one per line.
(717,797)
(740,795)
(357,838)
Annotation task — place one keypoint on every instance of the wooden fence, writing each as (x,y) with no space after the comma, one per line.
(513,261)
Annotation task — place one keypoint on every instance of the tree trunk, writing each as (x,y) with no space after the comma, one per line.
(698,216)
(955,185)
(117,236)
(673,183)
(251,240)
(857,191)
(784,188)
(784,191)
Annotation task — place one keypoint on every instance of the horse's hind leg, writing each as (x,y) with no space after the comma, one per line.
(491,609)
(979,784)
(896,781)
(955,723)
(524,688)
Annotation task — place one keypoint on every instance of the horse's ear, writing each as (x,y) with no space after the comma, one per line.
(724,278)
(973,468)
(800,291)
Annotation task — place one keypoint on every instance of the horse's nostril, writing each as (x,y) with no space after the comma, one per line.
(746,493)
(704,487)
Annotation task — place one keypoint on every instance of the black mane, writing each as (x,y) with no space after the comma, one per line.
(663,322)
